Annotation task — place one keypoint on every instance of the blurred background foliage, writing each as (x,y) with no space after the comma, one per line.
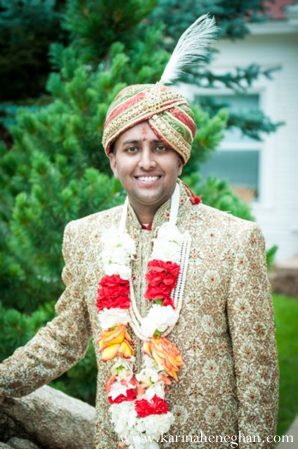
(52,164)
(26,30)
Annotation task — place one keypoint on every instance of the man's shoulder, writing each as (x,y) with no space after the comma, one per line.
(97,221)
(218,218)
(224,226)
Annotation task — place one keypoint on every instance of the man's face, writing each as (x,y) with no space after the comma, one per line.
(146,168)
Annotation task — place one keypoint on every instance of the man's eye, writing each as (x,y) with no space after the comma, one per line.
(161,148)
(132,149)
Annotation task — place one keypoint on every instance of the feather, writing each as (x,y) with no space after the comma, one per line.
(193,45)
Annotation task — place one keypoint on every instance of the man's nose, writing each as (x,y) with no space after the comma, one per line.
(147,160)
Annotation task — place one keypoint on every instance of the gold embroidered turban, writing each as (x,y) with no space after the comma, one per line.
(166,110)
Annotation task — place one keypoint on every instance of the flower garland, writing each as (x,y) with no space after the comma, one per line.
(138,408)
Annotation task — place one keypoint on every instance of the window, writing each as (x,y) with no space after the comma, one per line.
(238,157)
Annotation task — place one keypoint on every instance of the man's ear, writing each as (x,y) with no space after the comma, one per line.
(180,165)
(113,164)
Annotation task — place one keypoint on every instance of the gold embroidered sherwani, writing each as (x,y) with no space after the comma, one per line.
(225,333)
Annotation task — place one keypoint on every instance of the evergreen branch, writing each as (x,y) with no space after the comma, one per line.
(252,123)
(239,80)
(232,18)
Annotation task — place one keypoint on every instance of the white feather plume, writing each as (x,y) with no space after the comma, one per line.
(193,45)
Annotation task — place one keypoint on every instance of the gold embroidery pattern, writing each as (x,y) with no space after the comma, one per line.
(225,332)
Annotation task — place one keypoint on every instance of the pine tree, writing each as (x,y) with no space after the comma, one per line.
(27,28)
(56,171)
(232,17)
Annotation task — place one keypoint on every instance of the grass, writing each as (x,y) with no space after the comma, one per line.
(286,318)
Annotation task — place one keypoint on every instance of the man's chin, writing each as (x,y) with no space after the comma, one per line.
(149,199)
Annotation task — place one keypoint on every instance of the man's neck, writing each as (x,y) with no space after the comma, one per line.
(145,215)
(145,212)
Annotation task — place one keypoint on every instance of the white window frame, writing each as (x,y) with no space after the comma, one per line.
(265,89)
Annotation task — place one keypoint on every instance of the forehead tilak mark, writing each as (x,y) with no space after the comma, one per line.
(144,131)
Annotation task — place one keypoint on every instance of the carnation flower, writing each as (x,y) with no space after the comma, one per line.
(119,255)
(162,291)
(110,317)
(158,318)
(167,245)
(114,238)
(162,277)
(124,271)
(157,406)
(168,302)
(166,251)
(113,293)
(170,233)
(124,417)
(166,272)
(155,425)
(119,249)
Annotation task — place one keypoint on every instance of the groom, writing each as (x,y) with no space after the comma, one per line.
(227,392)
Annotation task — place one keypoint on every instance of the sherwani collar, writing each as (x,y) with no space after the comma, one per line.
(162,214)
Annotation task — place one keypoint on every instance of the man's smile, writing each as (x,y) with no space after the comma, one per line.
(147,178)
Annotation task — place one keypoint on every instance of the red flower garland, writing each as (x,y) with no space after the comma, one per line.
(162,277)
(130,396)
(158,406)
(114,292)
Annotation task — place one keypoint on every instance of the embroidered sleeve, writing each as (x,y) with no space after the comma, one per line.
(251,325)
(56,347)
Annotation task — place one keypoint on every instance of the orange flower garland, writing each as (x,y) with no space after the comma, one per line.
(137,403)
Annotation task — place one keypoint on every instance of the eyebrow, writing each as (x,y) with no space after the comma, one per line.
(139,140)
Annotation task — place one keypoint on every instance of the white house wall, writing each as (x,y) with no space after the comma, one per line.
(276,210)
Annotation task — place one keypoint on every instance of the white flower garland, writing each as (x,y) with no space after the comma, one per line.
(119,250)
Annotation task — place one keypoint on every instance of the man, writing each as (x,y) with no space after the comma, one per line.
(226,395)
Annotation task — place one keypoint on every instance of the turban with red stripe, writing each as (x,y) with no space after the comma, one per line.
(166,110)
